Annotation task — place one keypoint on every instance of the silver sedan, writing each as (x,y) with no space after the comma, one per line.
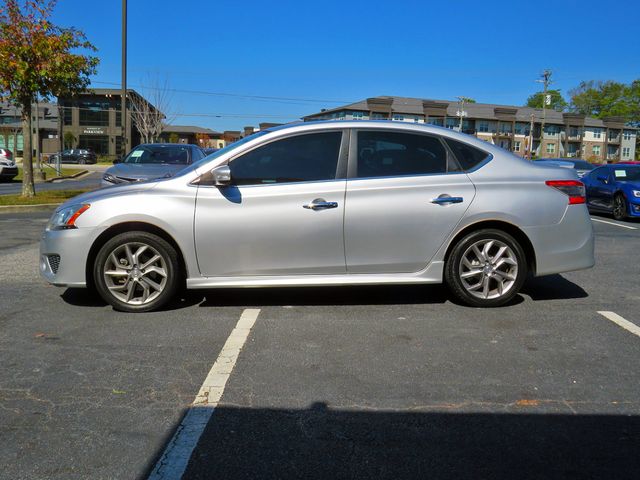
(327,203)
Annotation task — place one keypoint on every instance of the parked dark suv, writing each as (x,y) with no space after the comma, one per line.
(76,155)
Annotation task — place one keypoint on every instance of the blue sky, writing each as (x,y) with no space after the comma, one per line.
(343,51)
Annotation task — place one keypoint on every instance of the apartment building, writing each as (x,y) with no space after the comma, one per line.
(565,134)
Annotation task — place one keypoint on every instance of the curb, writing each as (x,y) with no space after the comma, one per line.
(75,175)
(41,207)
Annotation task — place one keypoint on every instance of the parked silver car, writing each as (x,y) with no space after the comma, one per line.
(327,203)
(151,161)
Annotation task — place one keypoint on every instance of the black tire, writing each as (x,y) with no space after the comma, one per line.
(137,280)
(505,274)
(620,207)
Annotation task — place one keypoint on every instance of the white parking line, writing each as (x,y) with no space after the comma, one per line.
(613,223)
(175,458)
(618,320)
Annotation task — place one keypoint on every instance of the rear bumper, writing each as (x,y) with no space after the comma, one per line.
(565,246)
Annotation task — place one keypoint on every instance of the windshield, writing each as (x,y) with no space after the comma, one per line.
(220,152)
(627,174)
(159,154)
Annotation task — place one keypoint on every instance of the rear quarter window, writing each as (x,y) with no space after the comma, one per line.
(468,157)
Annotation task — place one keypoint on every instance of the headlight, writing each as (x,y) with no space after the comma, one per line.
(65,218)
(636,193)
(107,177)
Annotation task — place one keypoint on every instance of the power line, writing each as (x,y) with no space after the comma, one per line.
(233,95)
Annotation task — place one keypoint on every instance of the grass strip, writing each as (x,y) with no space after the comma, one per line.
(49,196)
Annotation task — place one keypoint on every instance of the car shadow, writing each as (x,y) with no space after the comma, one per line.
(552,287)
(320,442)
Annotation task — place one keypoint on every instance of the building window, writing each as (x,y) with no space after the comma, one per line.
(436,121)
(574,132)
(483,126)
(626,135)
(595,150)
(597,133)
(398,118)
(516,146)
(551,148)
(94,114)
(379,116)
(66,115)
(626,152)
(98,143)
(357,115)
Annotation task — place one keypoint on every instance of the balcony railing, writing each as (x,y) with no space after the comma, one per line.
(614,139)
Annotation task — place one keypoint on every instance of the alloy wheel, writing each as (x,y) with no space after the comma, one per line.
(488,269)
(135,273)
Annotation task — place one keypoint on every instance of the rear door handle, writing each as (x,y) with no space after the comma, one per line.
(320,204)
(445,199)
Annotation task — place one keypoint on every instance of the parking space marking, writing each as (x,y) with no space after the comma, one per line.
(613,223)
(174,460)
(618,320)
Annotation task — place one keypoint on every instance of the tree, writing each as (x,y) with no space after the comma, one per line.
(202,139)
(557,101)
(37,60)
(69,139)
(150,117)
(605,99)
(173,137)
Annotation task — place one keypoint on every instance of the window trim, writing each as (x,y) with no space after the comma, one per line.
(352,171)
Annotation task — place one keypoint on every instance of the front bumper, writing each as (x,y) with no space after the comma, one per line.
(63,255)
(634,207)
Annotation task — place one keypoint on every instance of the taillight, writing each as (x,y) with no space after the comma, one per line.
(572,188)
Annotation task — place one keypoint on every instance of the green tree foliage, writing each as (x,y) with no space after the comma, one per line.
(607,99)
(38,59)
(557,101)
(69,139)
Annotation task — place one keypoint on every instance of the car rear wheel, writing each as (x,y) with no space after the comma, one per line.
(619,207)
(486,268)
(81,161)
(136,272)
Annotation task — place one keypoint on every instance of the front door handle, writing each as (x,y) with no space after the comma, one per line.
(445,199)
(320,204)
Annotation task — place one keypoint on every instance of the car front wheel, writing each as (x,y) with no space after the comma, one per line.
(136,272)
(619,207)
(486,268)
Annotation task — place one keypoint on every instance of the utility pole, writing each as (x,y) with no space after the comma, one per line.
(461,112)
(38,173)
(546,80)
(530,153)
(123,94)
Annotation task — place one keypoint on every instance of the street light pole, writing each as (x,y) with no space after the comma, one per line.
(123,94)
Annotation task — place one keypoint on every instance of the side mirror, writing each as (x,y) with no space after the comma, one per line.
(117,160)
(603,179)
(221,175)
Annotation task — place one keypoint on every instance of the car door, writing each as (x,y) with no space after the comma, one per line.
(405,195)
(603,189)
(67,156)
(282,214)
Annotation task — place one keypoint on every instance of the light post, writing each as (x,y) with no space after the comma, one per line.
(123,94)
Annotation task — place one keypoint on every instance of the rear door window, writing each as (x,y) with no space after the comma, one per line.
(384,153)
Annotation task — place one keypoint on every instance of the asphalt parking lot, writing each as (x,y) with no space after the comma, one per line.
(366,382)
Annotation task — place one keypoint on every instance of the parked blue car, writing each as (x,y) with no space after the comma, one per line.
(614,189)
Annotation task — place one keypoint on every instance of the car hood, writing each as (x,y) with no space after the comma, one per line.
(144,171)
(103,193)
